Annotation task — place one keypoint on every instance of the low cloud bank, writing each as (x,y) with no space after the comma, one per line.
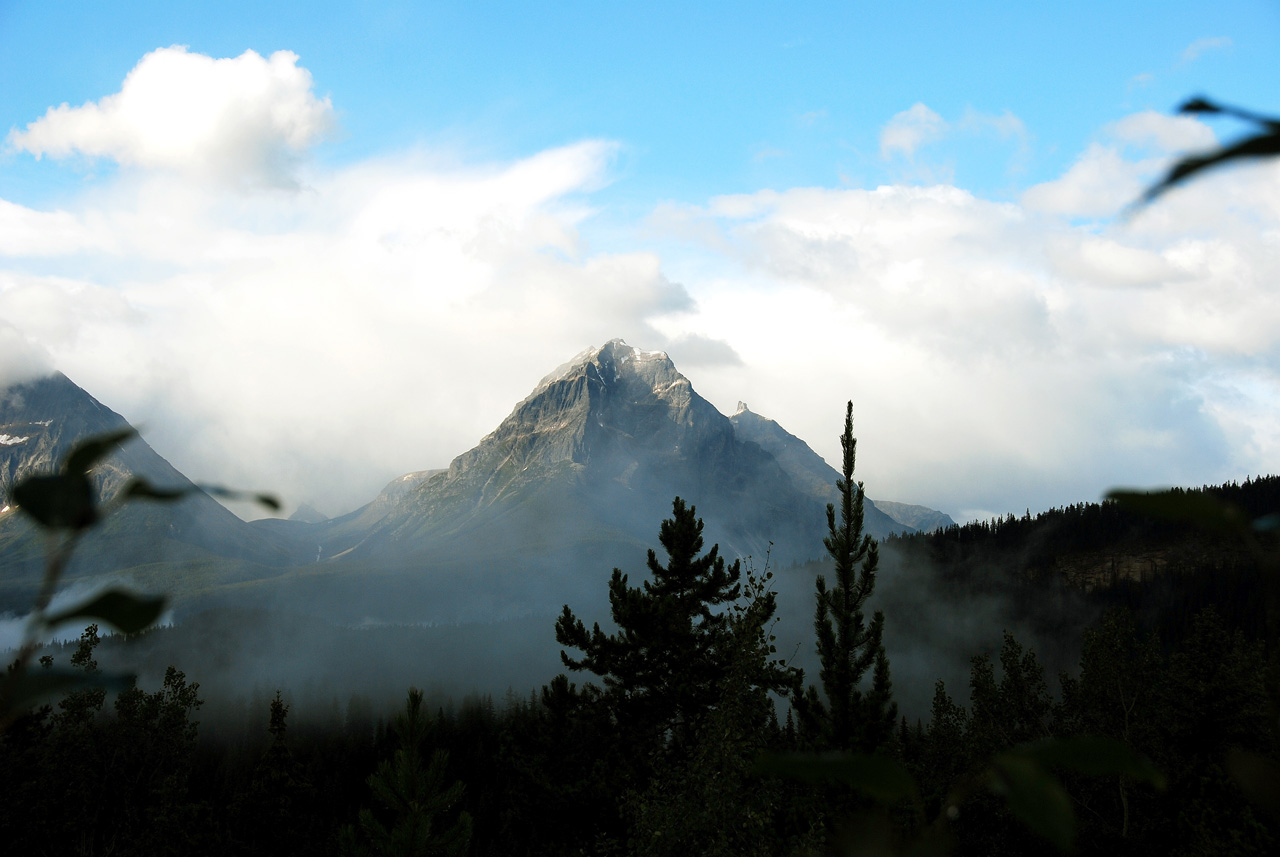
(317,332)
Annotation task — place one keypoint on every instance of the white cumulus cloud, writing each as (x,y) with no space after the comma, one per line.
(245,119)
(1167,134)
(1000,354)
(319,344)
(998,350)
(1100,183)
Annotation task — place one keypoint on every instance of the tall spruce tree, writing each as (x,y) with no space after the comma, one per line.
(852,717)
(707,801)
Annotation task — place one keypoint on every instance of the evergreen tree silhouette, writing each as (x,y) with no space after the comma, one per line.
(851,717)
(415,796)
(667,663)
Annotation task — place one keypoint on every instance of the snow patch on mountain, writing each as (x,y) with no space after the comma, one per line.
(615,352)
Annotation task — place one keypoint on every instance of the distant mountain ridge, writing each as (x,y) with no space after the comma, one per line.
(600,447)
(575,479)
(618,428)
(919,518)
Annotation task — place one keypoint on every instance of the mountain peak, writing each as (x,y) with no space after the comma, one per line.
(608,361)
(608,439)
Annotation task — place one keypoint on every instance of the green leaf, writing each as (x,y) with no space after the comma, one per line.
(932,842)
(268,500)
(1035,797)
(90,451)
(31,687)
(1095,756)
(1258,777)
(1193,507)
(1199,105)
(1266,144)
(143,489)
(64,501)
(125,611)
(879,777)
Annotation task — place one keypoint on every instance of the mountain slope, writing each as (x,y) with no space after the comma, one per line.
(574,482)
(597,452)
(40,422)
(920,518)
(810,471)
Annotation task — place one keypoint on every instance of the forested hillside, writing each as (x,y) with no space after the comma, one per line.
(682,729)
(1164,568)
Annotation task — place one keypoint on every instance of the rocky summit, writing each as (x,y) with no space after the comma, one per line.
(598,451)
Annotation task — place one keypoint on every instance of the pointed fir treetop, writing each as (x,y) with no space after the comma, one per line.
(852,717)
(705,579)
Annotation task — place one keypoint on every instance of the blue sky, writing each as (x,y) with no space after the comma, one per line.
(909,204)
(706,98)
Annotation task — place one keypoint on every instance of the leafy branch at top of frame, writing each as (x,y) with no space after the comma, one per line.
(1264,143)
(63,504)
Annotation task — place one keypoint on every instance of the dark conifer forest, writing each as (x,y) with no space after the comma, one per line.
(683,730)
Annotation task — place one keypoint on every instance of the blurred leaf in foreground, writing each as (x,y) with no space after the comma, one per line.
(1264,144)
(125,611)
(1095,756)
(60,502)
(1035,797)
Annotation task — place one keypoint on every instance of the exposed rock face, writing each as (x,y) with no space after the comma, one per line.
(598,450)
(41,420)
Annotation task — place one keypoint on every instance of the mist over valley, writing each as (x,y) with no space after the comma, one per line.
(452,578)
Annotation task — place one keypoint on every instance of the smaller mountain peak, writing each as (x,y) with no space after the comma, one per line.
(308,514)
(742,408)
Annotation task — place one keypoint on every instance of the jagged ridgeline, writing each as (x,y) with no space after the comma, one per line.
(571,484)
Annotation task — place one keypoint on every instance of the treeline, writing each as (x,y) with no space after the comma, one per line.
(1050,540)
(682,730)
(543,777)
(1164,569)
